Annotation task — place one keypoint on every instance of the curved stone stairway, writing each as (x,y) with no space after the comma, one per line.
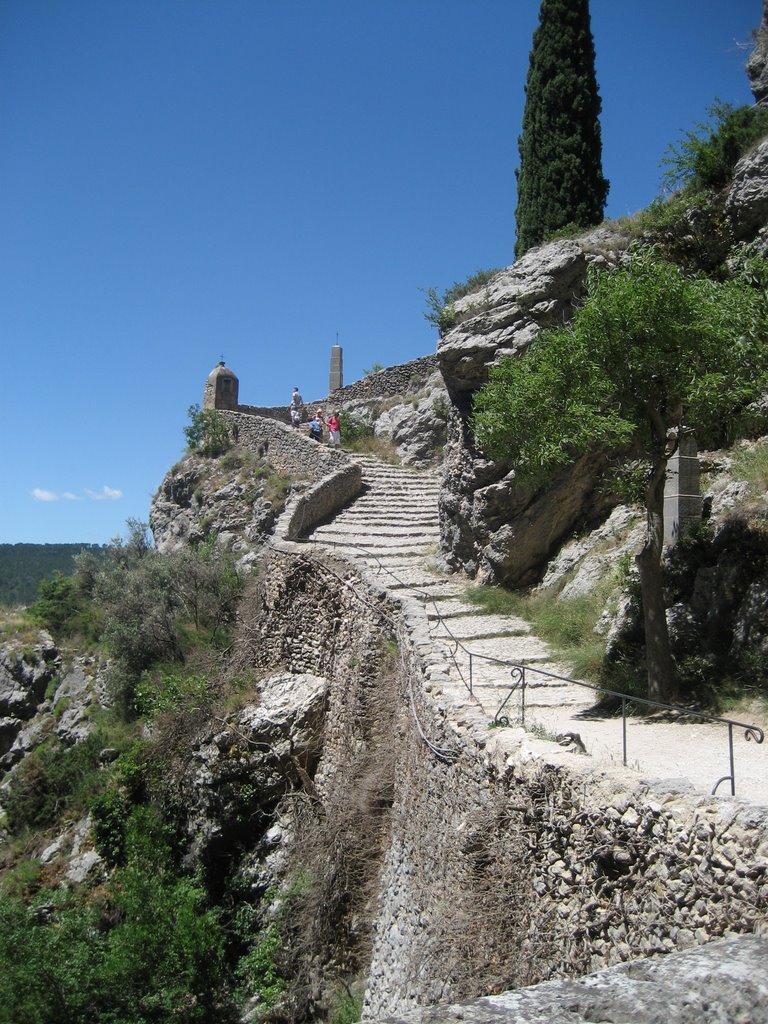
(392,528)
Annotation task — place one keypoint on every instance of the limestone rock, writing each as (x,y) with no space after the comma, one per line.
(538,291)
(491,527)
(757,64)
(414,420)
(25,674)
(242,770)
(202,497)
(723,982)
(588,559)
(747,202)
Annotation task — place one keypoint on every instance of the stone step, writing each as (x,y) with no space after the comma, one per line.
(473,626)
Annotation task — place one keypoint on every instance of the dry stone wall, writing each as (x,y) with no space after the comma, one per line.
(394,380)
(508,869)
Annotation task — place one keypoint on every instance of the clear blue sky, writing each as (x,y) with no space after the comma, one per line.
(182,179)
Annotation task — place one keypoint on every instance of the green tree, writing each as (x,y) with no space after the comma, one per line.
(651,352)
(207,431)
(560,178)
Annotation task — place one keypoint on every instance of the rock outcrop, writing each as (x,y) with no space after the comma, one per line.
(722,983)
(41,696)
(757,64)
(223,498)
(746,205)
(492,527)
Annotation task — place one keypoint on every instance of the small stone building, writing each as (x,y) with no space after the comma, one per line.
(221,389)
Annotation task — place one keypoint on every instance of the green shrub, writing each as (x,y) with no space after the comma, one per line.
(63,609)
(109,813)
(149,948)
(52,780)
(706,157)
(207,432)
(259,970)
(167,691)
(354,429)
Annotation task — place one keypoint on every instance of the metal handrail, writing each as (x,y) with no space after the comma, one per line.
(518,671)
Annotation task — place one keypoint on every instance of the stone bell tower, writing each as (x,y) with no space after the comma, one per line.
(221,389)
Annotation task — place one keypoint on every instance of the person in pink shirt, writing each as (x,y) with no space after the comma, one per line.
(334,429)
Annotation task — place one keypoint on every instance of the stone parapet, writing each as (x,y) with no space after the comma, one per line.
(333,477)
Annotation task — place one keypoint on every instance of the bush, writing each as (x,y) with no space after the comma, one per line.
(148,949)
(52,780)
(63,609)
(207,432)
(706,157)
(354,429)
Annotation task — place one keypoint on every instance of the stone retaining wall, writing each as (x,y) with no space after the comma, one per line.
(509,860)
(333,477)
(395,380)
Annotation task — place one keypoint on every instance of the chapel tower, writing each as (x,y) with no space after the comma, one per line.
(221,389)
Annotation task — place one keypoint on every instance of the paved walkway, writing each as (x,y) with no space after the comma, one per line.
(393,529)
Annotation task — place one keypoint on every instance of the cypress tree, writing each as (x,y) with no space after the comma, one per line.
(560,179)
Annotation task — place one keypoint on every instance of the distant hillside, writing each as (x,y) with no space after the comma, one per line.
(23,566)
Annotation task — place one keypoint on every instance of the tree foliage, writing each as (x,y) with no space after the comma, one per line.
(206,432)
(650,352)
(560,178)
(148,948)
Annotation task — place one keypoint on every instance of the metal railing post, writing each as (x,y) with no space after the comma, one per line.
(522,697)
(624,729)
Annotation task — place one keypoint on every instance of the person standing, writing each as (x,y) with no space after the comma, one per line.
(296,407)
(334,429)
(315,429)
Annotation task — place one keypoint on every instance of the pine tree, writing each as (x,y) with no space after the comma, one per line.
(560,180)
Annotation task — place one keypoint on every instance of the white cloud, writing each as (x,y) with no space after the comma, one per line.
(106,492)
(39,494)
(69,496)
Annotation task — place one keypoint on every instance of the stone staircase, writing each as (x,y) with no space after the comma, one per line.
(392,529)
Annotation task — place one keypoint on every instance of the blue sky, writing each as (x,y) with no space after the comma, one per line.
(182,179)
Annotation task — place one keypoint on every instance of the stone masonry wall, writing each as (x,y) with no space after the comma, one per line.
(395,380)
(334,479)
(505,860)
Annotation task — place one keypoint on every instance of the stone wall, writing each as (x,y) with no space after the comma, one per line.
(333,477)
(502,860)
(395,380)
